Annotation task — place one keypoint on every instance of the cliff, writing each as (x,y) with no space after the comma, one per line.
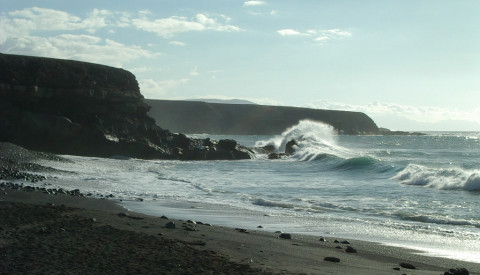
(79,108)
(248,119)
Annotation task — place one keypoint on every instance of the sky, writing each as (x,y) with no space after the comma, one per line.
(410,65)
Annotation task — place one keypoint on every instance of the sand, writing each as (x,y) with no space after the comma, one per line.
(58,234)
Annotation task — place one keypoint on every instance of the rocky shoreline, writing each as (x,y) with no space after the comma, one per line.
(56,231)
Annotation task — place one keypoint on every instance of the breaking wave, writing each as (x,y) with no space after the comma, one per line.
(445,179)
(315,140)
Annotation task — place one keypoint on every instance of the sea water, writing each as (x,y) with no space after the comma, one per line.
(420,192)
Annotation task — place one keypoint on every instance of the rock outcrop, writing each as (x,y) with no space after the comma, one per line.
(248,119)
(79,108)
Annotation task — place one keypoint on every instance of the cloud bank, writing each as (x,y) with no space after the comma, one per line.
(411,118)
(55,33)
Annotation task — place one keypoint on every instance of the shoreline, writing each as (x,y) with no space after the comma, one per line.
(246,251)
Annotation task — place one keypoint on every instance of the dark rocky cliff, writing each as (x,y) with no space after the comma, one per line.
(71,107)
(245,119)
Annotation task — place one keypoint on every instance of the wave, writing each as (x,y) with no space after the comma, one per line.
(445,179)
(436,219)
(263,202)
(315,140)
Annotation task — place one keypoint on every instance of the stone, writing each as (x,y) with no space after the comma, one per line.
(350,250)
(345,242)
(170,225)
(285,236)
(407,266)
(322,239)
(457,271)
(332,259)
(289,149)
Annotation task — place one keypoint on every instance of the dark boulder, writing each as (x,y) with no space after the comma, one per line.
(289,149)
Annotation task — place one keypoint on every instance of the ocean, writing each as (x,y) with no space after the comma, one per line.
(419,192)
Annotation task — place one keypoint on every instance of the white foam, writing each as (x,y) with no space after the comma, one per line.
(314,140)
(440,178)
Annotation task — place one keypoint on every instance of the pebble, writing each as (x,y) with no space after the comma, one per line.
(322,240)
(457,271)
(332,259)
(285,236)
(350,250)
(407,266)
(170,225)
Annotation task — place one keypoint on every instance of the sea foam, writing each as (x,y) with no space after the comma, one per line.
(440,178)
(314,140)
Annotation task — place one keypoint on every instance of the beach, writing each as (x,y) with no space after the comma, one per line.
(70,233)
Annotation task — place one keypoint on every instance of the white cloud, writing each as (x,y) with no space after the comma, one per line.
(78,47)
(287,32)
(19,34)
(168,27)
(253,3)
(393,112)
(154,89)
(177,43)
(194,72)
(320,35)
(321,38)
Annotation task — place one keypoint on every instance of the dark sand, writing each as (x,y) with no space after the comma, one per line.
(64,234)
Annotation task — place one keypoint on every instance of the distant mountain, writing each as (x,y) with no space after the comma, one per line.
(193,117)
(223,101)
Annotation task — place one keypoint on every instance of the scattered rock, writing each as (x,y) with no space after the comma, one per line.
(289,149)
(336,241)
(189,228)
(407,266)
(322,240)
(332,259)
(259,226)
(170,225)
(285,236)
(338,247)
(192,222)
(241,230)
(164,217)
(396,268)
(350,250)
(457,271)
(345,242)
(122,214)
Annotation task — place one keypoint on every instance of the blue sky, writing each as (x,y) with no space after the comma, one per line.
(410,65)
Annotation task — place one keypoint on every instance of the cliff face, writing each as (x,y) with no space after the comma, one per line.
(245,119)
(70,107)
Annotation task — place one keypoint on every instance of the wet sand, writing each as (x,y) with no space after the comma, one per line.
(45,233)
